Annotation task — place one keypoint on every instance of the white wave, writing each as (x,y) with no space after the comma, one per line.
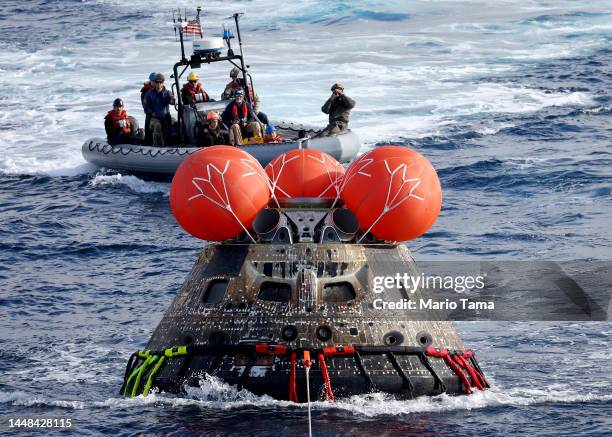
(213,393)
(25,399)
(492,130)
(379,124)
(134,183)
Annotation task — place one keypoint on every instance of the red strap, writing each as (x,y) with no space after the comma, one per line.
(460,374)
(473,374)
(328,394)
(467,353)
(438,353)
(443,353)
(338,350)
(271,349)
(292,390)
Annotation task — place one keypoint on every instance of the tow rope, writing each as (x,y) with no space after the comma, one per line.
(143,366)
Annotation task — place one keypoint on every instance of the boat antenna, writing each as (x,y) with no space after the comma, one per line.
(244,75)
(199,9)
(228,36)
(181,23)
(174,22)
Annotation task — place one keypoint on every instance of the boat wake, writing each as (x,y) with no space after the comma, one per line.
(133,183)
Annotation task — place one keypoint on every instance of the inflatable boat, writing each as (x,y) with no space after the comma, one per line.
(163,161)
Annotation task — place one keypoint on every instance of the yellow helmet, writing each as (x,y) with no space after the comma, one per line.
(193,76)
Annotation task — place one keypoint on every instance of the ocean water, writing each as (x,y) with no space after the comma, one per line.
(511,102)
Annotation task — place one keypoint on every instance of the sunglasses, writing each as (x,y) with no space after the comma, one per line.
(192,81)
(159,81)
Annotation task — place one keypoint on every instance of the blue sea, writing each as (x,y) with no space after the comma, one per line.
(510,100)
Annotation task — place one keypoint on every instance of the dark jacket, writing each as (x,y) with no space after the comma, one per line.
(228,115)
(158,104)
(338,109)
(212,137)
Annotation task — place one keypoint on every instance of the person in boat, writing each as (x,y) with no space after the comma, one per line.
(192,92)
(120,128)
(272,136)
(157,105)
(240,119)
(211,134)
(338,107)
(146,87)
(238,83)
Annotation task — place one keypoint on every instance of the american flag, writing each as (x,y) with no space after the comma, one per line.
(192,27)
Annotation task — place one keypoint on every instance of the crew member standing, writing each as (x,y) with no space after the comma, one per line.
(146,87)
(157,105)
(338,106)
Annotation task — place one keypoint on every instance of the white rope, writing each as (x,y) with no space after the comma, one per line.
(308,399)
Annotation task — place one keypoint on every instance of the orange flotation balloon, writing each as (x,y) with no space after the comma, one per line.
(394,192)
(217,192)
(305,173)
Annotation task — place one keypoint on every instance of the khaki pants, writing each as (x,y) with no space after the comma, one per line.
(334,128)
(253,129)
(160,131)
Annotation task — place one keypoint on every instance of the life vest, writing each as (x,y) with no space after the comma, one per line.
(278,139)
(146,87)
(245,111)
(121,122)
(195,89)
(253,140)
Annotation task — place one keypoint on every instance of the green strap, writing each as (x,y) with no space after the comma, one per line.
(147,386)
(144,366)
(175,351)
(148,361)
(126,390)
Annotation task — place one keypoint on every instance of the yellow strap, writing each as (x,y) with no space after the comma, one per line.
(147,386)
(175,351)
(146,364)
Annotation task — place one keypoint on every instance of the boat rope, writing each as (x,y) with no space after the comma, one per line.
(153,151)
(144,366)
